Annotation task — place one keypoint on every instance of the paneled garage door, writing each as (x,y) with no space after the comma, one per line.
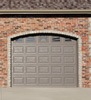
(44,60)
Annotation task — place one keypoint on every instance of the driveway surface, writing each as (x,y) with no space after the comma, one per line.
(45,94)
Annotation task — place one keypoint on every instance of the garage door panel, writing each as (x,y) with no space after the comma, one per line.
(56,59)
(56,49)
(31,81)
(43,49)
(44,61)
(69,50)
(31,69)
(44,81)
(18,49)
(69,59)
(18,59)
(57,81)
(43,69)
(69,81)
(30,49)
(56,69)
(18,69)
(31,59)
(18,80)
(69,69)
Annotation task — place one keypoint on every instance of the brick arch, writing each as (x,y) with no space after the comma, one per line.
(47,32)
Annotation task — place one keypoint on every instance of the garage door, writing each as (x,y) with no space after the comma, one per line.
(44,60)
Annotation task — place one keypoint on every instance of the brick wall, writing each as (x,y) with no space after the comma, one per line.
(78,26)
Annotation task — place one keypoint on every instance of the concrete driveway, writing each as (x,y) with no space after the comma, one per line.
(45,94)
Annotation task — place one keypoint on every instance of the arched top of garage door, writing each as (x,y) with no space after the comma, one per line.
(45,32)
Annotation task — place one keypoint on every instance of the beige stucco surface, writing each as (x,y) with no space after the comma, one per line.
(45,94)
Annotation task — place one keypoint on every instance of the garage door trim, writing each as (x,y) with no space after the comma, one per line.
(53,32)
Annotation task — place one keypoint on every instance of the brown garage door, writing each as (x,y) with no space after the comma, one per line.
(44,60)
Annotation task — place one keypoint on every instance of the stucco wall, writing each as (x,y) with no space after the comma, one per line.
(78,26)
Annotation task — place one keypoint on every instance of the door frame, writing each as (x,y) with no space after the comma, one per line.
(79,52)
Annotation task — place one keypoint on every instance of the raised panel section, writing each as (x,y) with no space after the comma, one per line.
(69,80)
(56,49)
(56,69)
(43,59)
(18,59)
(43,80)
(18,69)
(31,59)
(68,69)
(31,80)
(57,80)
(18,80)
(56,59)
(68,49)
(17,49)
(43,69)
(43,49)
(69,59)
(31,69)
(30,49)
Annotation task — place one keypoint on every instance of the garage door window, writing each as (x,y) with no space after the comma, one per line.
(30,39)
(19,40)
(67,39)
(56,38)
(43,39)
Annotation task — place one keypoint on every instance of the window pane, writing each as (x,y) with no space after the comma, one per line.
(67,39)
(43,39)
(30,39)
(18,40)
(56,38)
